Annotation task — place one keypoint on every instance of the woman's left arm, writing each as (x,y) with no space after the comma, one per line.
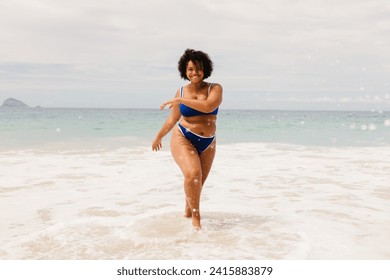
(208,105)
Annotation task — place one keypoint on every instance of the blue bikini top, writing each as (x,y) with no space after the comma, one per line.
(189,112)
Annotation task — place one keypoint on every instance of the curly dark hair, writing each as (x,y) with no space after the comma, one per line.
(197,57)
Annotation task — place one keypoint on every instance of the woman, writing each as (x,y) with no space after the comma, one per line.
(194,109)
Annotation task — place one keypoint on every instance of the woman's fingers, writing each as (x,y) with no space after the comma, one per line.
(156,146)
(165,104)
(169,102)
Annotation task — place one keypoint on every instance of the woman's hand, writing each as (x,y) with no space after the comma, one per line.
(171,103)
(157,145)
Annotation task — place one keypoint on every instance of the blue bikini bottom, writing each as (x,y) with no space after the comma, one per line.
(200,143)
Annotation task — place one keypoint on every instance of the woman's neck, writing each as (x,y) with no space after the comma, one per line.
(198,86)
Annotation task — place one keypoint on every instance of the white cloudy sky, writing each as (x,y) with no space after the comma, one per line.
(268,54)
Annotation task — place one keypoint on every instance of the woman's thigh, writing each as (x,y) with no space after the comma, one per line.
(185,155)
(206,160)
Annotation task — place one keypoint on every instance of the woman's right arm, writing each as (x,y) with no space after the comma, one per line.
(170,122)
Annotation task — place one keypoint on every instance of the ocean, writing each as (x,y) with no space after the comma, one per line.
(85,184)
(37,127)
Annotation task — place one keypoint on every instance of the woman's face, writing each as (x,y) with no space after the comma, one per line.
(194,72)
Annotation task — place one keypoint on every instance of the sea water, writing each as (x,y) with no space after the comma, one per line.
(42,126)
(85,184)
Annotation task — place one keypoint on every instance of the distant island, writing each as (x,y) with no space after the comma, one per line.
(14,103)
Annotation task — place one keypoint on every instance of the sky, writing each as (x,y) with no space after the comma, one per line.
(268,55)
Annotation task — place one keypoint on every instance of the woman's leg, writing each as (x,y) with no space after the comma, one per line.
(188,160)
(206,160)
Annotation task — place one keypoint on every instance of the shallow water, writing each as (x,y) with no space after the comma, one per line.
(261,201)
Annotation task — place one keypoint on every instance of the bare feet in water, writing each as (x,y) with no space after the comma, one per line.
(194,214)
(196,219)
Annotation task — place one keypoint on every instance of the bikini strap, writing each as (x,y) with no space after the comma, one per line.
(211,84)
(181,92)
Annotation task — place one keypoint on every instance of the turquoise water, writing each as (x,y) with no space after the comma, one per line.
(24,128)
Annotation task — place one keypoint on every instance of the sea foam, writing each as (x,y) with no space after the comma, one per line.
(261,201)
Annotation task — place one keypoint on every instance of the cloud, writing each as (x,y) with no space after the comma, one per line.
(131,47)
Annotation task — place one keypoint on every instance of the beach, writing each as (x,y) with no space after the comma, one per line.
(261,201)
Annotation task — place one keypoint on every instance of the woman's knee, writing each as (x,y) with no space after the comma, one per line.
(193,173)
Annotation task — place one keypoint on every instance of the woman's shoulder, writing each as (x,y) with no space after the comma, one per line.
(215,86)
